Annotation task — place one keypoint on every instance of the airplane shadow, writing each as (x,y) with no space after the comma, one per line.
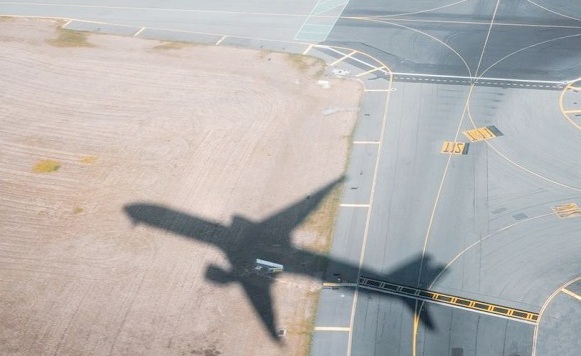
(244,241)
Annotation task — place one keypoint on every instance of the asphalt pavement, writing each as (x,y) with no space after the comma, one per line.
(498,222)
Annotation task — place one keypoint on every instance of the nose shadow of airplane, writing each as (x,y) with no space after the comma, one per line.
(244,241)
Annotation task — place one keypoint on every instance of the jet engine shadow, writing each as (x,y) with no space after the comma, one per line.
(244,241)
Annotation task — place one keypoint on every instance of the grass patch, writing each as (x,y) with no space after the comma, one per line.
(306,327)
(46,166)
(307,63)
(70,38)
(174,45)
(88,159)
(78,210)
(322,220)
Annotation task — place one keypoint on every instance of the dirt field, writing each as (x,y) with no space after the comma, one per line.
(92,124)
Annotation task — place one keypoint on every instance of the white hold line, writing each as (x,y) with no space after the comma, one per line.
(479,78)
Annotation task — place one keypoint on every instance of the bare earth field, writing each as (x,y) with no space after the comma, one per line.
(90,127)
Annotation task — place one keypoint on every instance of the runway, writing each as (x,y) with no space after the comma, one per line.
(501,218)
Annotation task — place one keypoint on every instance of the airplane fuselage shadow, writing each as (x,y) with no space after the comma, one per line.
(244,241)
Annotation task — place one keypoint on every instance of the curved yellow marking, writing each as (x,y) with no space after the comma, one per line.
(425,34)
(416,12)
(518,165)
(565,113)
(525,48)
(545,305)
(416,325)
(482,240)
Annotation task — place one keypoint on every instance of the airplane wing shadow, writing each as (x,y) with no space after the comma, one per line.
(244,241)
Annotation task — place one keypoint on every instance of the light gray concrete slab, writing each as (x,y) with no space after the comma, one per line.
(335,308)
(347,240)
(559,327)
(329,343)
(250,19)
(370,119)
(461,332)
(383,326)
(360,174)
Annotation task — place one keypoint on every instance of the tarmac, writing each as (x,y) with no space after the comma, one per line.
(464,159)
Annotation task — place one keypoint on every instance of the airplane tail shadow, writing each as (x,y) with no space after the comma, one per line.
(244,241)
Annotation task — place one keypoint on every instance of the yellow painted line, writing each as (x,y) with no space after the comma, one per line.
(542,311)
(422,295)
(562,108)
(332,328)
(343,58)
(435,206)
(574,88)
(308,49)
(574,295)
(370,71)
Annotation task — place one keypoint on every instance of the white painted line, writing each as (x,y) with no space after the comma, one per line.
(66,24)
(331,328)
(368,217)
(343,58)
(576,296)
(138,32)
(352,58)
(136,8)
(475,78)
(354,205)
(371,71)
(220,40)
(487,37)
(308,49)
(366,142)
